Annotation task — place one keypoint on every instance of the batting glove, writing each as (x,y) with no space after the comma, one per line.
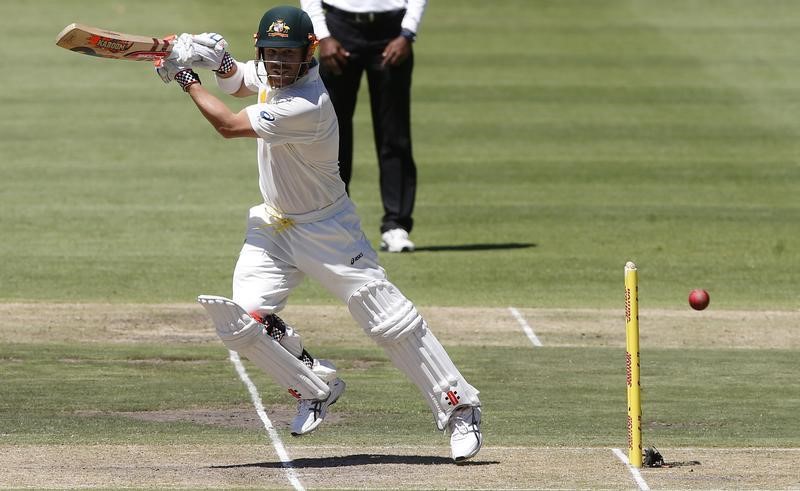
(210,52)
(178,60)
(183,50)
(169,69)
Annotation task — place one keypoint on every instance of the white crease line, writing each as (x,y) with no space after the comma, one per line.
(637,476)
(525,327)
(273,434)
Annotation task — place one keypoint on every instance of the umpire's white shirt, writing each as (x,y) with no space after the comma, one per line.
(298,134)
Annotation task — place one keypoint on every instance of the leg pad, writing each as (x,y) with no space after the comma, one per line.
(241,333)
(392,320)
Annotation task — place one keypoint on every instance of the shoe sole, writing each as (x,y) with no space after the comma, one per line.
(334,396)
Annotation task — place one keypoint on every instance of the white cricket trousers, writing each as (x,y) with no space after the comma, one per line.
(277,255)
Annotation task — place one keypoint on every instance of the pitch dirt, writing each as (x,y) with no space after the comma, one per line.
(257,466)
(396,467)
(124,323)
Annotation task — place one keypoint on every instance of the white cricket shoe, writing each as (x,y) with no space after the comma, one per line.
(396,240)
(311,412)
(465,433)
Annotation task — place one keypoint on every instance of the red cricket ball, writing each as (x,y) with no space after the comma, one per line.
(698,299)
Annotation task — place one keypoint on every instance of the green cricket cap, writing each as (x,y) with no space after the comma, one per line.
(284,27)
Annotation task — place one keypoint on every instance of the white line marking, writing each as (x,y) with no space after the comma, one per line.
(273,434)
(637,476)
(525,327)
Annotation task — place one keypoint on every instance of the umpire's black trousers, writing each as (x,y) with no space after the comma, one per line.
(365,37)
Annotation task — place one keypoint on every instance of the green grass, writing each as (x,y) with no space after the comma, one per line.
(546,397)
(554,140)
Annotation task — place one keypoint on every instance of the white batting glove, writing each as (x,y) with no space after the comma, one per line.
(183,50)
(211,40)
(169,69)
(210,52)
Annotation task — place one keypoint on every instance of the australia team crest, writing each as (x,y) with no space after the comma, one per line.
(278,29)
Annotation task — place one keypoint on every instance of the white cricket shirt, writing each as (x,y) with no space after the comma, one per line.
(298,146)
(411,20)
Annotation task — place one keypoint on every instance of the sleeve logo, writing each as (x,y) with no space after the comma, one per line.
(267,116)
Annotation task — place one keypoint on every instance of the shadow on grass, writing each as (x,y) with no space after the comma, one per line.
(474,247)
(357,459)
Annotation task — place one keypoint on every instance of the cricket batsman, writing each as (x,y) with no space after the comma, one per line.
(307,225)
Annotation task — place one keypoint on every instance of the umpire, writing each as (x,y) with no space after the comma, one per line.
(374,36)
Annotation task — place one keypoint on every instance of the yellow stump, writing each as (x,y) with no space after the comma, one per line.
(632,364)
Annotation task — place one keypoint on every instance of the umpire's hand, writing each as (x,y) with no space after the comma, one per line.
(397,51)
(332,55)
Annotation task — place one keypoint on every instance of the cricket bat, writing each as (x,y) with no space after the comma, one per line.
(95,41)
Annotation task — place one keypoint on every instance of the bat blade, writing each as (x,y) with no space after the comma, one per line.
(95,41)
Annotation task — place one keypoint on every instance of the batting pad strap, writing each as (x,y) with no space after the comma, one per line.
(391,319)
(232,84)
(240,332)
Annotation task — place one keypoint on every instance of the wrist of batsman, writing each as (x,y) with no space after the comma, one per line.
(187,78)
(226,65)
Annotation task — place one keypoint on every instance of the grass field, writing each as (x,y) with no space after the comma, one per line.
(555,140)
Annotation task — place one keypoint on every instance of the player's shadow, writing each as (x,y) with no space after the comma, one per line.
(475,247)
(357,459)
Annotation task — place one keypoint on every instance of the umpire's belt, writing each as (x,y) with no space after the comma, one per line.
(363,17)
